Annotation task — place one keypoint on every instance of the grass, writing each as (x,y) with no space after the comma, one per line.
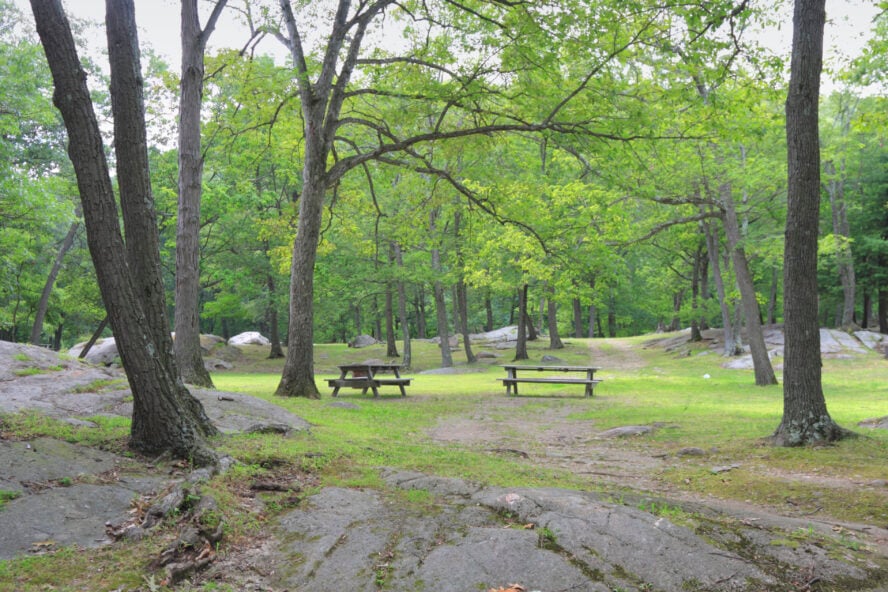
(724,414)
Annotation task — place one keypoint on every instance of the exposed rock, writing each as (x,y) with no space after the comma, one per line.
(623,431)
(487,355)
(249,338)
(509,333)
(547,359)
(103,352)
(872,340)
(690,451)
(212,364)
(880,423)
(343,405)
(362,341)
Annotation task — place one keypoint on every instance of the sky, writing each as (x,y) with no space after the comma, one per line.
(848,27)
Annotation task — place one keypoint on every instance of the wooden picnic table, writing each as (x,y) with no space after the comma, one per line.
(366,376)
(512,379)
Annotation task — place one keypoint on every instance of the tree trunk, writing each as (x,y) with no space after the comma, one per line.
(406,359)
(187,313)
(521,344)
(463,303)
(488,309)
(422,331)
(677,301)
(805,417)
(594,321)
(554,339)
(695,296)
(764,372)
(274,335)
(612,315)
(440,302)
(43,305)
(882,311)
(772,297)
(93,338)
(297,378)
(577,317)
(730,348)
(835,188)
(166,418)
(390,339)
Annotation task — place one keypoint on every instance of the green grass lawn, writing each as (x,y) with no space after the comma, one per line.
(696,401)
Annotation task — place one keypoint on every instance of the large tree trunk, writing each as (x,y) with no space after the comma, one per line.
(805,417)
(187,313)
(166,418)
(297,379)
(521,344)
(43,304)
(764,372)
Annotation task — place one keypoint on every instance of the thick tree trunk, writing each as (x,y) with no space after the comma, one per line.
(297,379)
(187,316)
(554,338)
(43,304)
(764,372)
(521,344)
(805,417)
(406,359)
(166,418)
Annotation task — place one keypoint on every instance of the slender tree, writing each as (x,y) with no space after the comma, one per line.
(187,315)
(805,418)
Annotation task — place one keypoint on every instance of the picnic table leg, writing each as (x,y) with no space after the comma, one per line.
(589,375)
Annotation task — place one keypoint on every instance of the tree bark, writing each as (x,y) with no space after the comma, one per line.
(93,338)
(166,418)
(271,313)
(835,188)
(730,344)
(406,359)
(695,295)
(186,320)
(805,417)
(390,340)
(554,338)
(764,372)
(440,302)
(577,317)
(43,304)
(521,344)
(488,309)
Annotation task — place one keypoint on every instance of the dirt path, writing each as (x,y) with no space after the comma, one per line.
(549,435)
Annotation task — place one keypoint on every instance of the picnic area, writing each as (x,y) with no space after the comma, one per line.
(670,437)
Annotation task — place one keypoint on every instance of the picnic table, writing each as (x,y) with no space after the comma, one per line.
(512,379)
(367,376)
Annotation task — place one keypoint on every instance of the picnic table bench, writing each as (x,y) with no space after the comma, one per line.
(366,376)
(512,379)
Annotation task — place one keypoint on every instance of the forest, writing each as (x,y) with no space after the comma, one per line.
(422,169)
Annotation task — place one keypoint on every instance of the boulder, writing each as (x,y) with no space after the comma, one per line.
(362,341)
(249,338)
(103,352)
